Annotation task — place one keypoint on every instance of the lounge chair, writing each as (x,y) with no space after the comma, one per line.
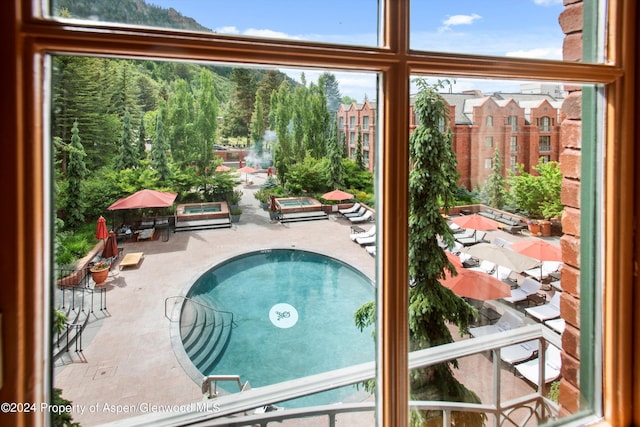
(529,286)
(519,352)
(131,259)
(546,268)
(368,215)
(368,233)
(508,321)
(552,365)
(371,250)
(366,241)
(547,311)
(478,237)
(556,324)
(455,228)
(485,266)
(352,209)
(146,234)
(466,233)
(361,210)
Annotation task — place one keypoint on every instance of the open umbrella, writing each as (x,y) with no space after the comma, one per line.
(501,256)
(477,285)
(222,168)
(110,247)
(337,195)
(247,170)
(475,221)
(101,228)
(145,199)
(538,249)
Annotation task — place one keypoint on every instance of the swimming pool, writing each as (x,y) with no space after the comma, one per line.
(293,316)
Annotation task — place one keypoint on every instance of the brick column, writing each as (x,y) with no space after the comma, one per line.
(571,22)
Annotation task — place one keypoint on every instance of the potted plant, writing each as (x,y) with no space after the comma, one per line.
(234,199)
(235,215)
(534,227)
(262,196)
(100,272)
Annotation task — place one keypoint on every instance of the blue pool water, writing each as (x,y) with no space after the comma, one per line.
(293,313)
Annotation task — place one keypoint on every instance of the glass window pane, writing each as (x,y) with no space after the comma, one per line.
(498,209)
(191,293)
(329,21)
(524,29)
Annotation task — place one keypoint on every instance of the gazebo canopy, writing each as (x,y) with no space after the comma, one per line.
(145,199)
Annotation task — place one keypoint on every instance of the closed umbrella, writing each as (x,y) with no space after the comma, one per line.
(110,247)
(477,285)
(475,221)
(101,228)
(501,256)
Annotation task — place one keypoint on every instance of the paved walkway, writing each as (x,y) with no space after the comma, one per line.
(128,361)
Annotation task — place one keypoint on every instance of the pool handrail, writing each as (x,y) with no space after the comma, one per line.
(166,300)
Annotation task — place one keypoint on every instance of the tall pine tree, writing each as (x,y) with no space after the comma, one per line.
(160,150)
(128,155)
(76,172)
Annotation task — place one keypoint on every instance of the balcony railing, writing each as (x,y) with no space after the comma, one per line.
(232,409)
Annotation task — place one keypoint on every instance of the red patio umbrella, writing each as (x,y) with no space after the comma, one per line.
(538,249)
(101,228)
(337,195)
(477,285)
(222,168)
(110,247)
(475,221)
(247,170)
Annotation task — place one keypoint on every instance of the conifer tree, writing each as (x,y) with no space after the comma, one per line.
(76,172)
(160,150)
(495,189)
(142,138)
(359,155)
(127,154)
(334,153)
(432,181)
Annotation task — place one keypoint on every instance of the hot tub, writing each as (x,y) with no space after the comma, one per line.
(194,211)
(298,204)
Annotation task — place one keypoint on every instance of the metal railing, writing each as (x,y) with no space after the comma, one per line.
(232,407)
(166,301)
(210,380)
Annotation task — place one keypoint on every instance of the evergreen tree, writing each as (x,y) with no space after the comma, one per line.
(495,187)
(238,116)
(160,150)
(269,84)
(330,86)
(206,125)
(280,115)
(359,155)
(334,154)
(76,172)
(258,125)
(142,140)
(127,157)
(180,122)
(432,180)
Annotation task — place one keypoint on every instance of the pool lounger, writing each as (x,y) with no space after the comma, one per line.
(131,260)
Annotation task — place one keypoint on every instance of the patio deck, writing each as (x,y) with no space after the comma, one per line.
(128,359)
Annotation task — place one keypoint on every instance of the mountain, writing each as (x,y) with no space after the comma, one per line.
(133,12)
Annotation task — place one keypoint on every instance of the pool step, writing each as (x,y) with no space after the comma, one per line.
(206,338)
(303,216)
(202,224)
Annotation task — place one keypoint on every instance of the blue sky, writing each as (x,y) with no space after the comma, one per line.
(516,28)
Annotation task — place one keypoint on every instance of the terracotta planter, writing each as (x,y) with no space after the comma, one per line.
(545,228)
(99,276)
(534,229)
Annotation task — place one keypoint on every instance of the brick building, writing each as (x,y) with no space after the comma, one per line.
(522,126)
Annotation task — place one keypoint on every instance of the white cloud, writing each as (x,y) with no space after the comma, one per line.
(254,32)
(538,52)
(455,20)
(227,30)
(547,2)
